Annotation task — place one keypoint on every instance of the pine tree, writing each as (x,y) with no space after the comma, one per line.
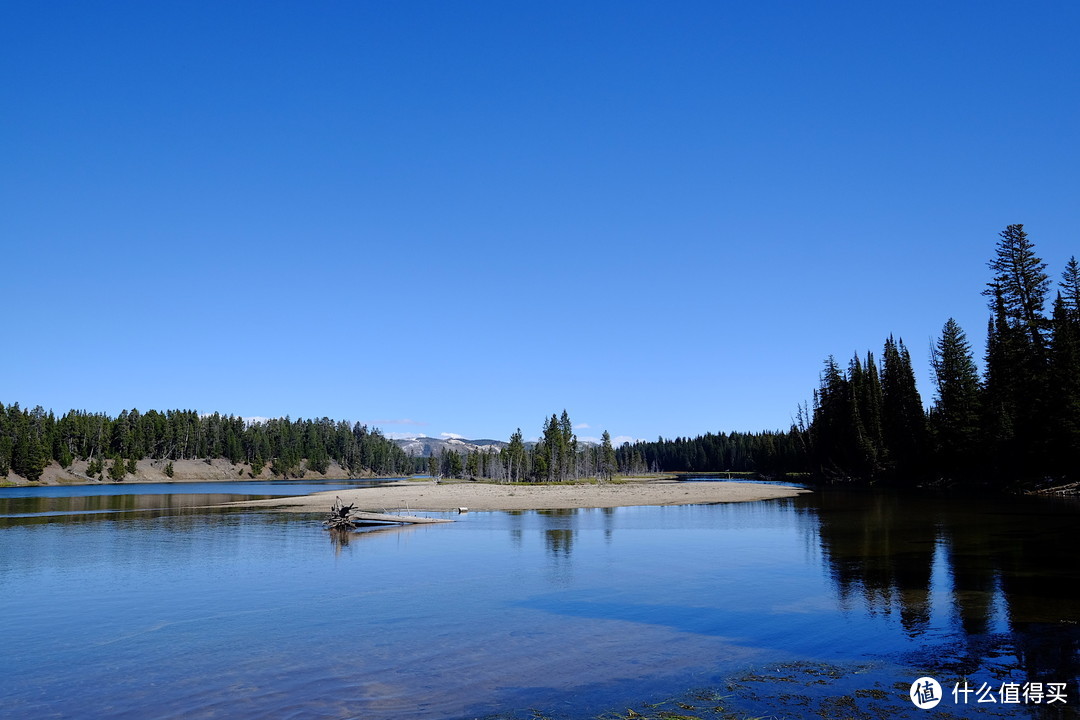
(865,388)
(1001,396)
(608,462)
(118,469)
(1070,288)
(1020,276)
(7,442)
(515,457)
(28,457)
(1064,404)
(1017,419)
(554,449)
(870,401)
(904,427)
(454,465)
(568,447)
(955,416)
(836,434)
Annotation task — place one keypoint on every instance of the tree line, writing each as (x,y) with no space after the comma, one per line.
(30,439)
(768,453)
(556,456)
(1014,426)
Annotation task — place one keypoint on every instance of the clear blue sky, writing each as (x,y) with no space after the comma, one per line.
(460,217)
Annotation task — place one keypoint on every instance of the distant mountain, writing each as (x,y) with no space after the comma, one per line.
(428,446)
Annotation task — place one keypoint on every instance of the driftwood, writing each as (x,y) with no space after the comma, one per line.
(346,517)
(363,518)
(340,516)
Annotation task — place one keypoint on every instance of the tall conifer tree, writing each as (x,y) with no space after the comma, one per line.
(835,433)
(1064,403)
(608,462)
(1020,276)
(1070,288)
(903,417)
(1018,385)
(955,416)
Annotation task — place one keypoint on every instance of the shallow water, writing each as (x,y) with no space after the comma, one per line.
(194,613)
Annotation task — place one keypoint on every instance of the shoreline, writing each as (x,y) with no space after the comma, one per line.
(420,496)
(184,471)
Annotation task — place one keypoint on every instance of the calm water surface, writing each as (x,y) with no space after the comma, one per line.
(28,501)
(773,608)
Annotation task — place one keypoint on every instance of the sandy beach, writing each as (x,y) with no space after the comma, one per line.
(428,496)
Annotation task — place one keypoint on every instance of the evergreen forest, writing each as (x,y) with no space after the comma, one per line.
(1015,425)
(29,440)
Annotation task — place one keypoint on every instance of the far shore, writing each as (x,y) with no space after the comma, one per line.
(184,471)
(450,497)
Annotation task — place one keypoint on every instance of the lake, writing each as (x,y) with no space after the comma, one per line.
(134,604)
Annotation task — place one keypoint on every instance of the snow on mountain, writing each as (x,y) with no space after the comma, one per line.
(428,446)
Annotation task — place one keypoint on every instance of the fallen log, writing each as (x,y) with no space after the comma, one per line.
(362,517)
(346,517)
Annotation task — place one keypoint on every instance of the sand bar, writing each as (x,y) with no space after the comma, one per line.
(485,496)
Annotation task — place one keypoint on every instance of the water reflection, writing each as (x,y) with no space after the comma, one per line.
(340,538)
(559,532)
(1002,572)
(24,510)
(573,610)
(18,504)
